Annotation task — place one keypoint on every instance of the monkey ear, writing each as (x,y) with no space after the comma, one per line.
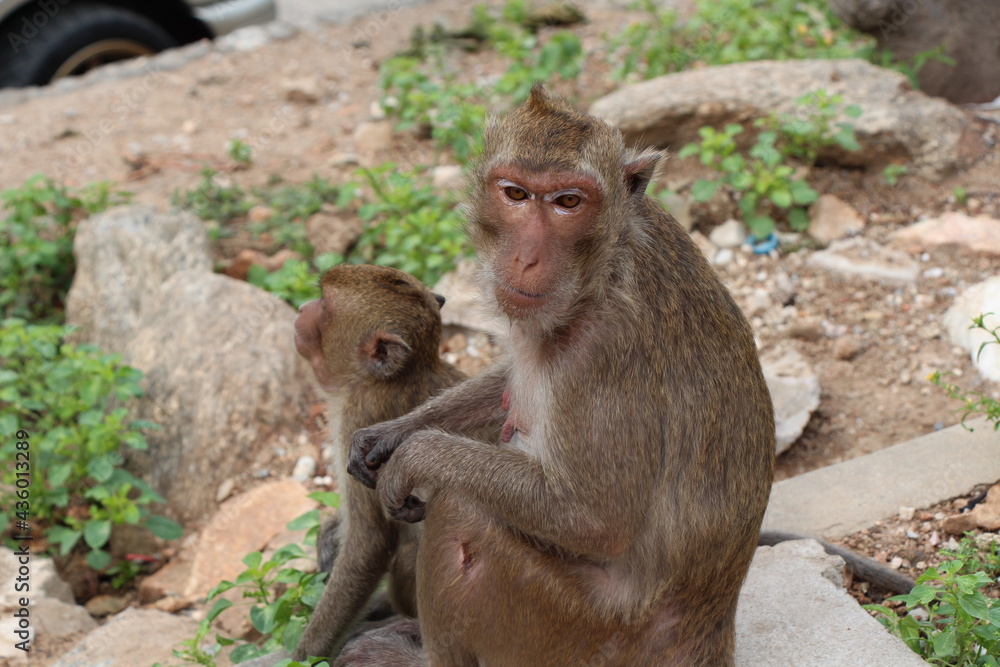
(638,172)
(385,354)
(440,299)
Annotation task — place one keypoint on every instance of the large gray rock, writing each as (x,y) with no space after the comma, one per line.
(134,637)
(897,122)
(222,377)
(793,610)
(123,256)
(980,299)
(794,388)
(967,29)
(863,260)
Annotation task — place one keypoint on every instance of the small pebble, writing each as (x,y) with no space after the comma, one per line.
(912,535)
(896,563)
(906,513)
(305,469)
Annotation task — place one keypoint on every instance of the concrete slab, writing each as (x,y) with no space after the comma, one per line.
(794,612)
(845,497)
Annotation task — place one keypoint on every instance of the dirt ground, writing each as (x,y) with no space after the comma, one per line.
(154,133)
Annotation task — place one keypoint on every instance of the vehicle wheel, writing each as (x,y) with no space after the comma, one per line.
(75,39)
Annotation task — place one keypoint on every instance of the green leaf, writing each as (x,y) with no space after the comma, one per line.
(98,559)
(975,605)
(781,198)
(703,190)
(97,533)
(220,606)
(221,588)
(945,643)
(688,151)
(252,560)
(66,538)
(802,194)
(798,219)
(304,521)
(164,528)
(328,498)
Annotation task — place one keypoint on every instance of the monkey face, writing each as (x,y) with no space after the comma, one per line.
(362,324)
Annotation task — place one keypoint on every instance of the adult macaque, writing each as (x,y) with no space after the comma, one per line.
(616,522)
(373,341)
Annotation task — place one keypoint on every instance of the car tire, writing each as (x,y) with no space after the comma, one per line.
(75,38)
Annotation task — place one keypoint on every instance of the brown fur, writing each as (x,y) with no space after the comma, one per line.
(616,523)
(373,341)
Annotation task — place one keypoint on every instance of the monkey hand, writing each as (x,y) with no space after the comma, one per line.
(399,477)
(370,449)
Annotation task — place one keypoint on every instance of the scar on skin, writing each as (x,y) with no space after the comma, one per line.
(466,557)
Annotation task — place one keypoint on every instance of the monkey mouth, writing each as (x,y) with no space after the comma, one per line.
(520,300)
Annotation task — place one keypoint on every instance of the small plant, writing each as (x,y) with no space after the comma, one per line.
(291,206)
(409,226)
(433,97)
(892,172)
(282,599)
(961,197)
(214,199)
(764,181)
(962,625)
(36,243)
(296,280)
(730,32)
(978,556)
(240,152)
(974,403)
(69,399)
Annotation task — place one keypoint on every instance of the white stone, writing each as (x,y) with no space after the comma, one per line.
(730,234)
(795,390)
(305,469)
(977,300)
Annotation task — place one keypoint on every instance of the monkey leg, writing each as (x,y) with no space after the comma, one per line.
(395,645)
(368,540)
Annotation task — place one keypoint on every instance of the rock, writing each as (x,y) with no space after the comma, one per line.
(864,260)
(123,256)
(723,257)
(260,213)
(225,489)
(374,137)
(897,122)
(170,581)
(239,268)
(303,90)
(342,159)
(730,234)
(11,655)
(831,218)
(45,581)
(974,235)
(463,306)
(966,29)
(134,637)
(985,516)
(331,230)
(447,179)
(977,300)
(222,378)
(105,605)
(793,610)
(847,347)
(54,618)
(758,302)
(242,525)
(305,469)
(708,249)
(679,207)
(795,391)
(805,329)
(906,513)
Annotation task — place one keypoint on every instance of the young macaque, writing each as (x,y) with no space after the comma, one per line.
(373,341)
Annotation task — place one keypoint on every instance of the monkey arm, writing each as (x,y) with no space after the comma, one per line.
(367,542)
(464,408)
(513,487)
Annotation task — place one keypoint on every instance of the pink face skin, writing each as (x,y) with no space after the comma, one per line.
(308,339)
(543,216)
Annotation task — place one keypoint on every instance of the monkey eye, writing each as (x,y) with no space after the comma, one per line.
(568,201)
(515,193)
